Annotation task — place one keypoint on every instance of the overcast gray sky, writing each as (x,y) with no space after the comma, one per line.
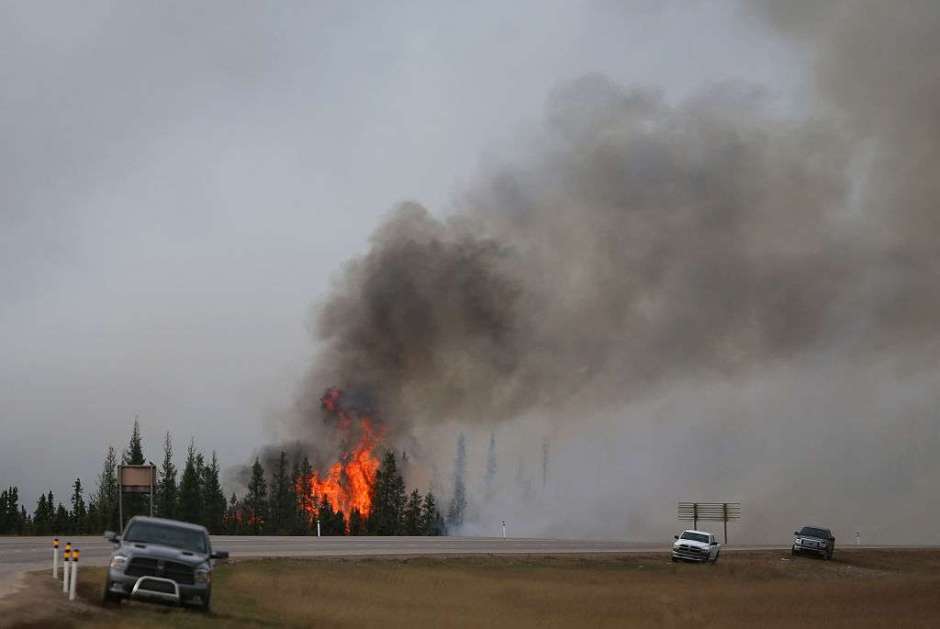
(179,182)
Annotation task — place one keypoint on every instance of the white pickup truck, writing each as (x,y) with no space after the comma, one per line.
(696,546)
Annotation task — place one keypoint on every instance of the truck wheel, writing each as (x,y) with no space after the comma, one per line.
(205,601)
(715,560)
(109,598)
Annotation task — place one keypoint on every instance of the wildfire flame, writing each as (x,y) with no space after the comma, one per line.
(347,485)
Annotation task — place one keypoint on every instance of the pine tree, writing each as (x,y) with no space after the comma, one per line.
(325,516)
(388,499)
(107,498)
(25,524)
(412,520)
(255,504)
(213,499)
(61,521)
(431,521)
(458,503)
(167,492)
(134,455)
(282,499)
(42,520)
(356,523)
(79,515)
(10,511)
(306,503)
(490,478)
(190,494)
(93,517)
(233,516)
(135,504)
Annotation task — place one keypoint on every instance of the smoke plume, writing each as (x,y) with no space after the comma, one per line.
(694,298)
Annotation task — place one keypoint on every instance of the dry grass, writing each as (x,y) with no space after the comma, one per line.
(766,589)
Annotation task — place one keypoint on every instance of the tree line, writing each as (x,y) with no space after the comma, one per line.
(285,506)
(282,505)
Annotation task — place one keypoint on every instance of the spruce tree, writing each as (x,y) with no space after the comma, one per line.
(107,498)
(388,499)
(213,499)
(61,521)
(412,520)
(458,503)
(42,521)
(255,511)
(490,479)
(356,523)
(79,515)
(431,521)
(233,516)
(134,455)
(135,504)
(283,503)
(167,493)
(190,494)
(306,502)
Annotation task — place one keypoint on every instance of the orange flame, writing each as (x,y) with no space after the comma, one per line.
(347,485)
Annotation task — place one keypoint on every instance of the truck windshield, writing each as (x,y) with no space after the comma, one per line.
(695,537)
(809,531)
(177,537)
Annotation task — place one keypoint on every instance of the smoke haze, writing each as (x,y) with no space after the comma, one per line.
(703,299)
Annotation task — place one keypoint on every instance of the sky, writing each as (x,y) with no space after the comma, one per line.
(180,184)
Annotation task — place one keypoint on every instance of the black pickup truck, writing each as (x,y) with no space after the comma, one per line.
(162,561)
(815,540)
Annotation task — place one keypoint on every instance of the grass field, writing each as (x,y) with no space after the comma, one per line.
(763,588)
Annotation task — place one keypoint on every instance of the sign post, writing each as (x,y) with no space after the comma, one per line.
(713,511)
(135,479)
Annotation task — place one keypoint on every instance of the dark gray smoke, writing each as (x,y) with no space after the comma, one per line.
(648,249)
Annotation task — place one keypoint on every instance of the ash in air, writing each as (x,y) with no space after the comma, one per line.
(702,299)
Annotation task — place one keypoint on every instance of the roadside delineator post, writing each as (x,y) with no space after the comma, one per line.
(73,577)
(66,560)
(504,529)
(318,527)
(55,558)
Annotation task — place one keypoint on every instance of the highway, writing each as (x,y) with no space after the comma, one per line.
(22,554)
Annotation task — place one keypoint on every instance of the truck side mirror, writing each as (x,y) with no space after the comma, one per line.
(219,554)
(796,532)
(675,537)
(112,537)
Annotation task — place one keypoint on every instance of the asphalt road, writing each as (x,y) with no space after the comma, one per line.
(21,554)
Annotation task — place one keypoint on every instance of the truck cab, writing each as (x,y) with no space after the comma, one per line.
(699,546)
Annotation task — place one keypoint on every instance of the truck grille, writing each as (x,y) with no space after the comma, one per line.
(147,567)
(684,551)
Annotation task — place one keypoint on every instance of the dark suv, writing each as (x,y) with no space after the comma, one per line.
(812,539)
(161,560)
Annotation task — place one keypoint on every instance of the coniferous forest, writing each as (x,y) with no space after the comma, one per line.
(274,502)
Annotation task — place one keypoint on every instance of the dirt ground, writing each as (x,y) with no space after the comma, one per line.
(859,588)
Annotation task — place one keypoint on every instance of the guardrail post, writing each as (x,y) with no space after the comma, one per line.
(55,558)
(66,560)
(74,576)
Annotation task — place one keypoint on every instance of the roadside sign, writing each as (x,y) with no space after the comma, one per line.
(713,511)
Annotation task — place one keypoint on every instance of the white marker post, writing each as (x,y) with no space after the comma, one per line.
(74,576)
(504,529)
(55,558)
(858,538)
(66,560)
(318,527)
